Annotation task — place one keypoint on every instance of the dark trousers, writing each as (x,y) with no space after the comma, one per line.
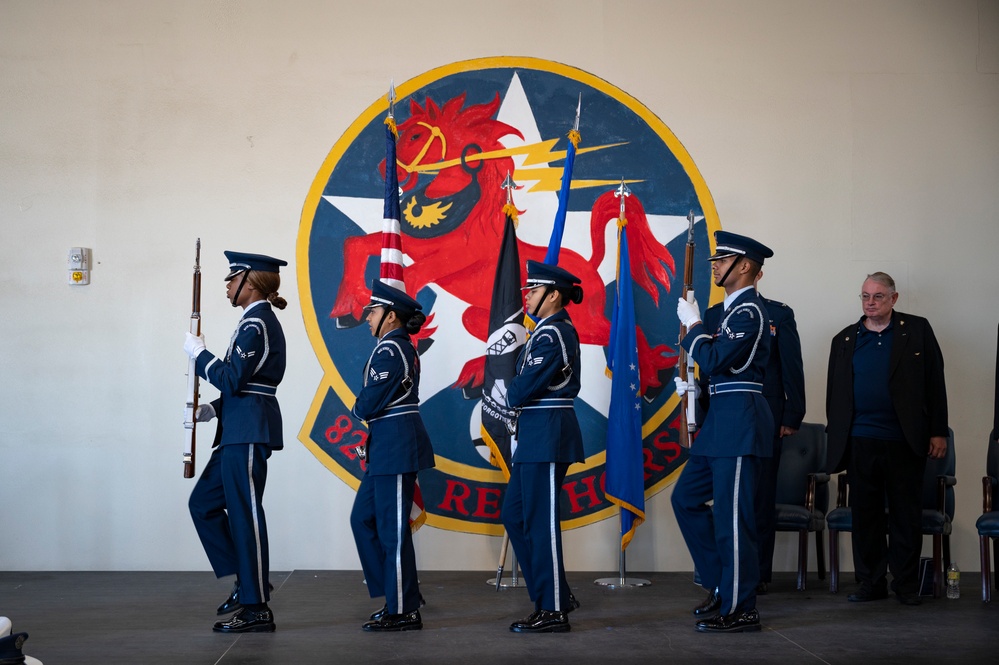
(532,518)
(721,538)
(226,506)
(380,523)
(886,473)
(766,511)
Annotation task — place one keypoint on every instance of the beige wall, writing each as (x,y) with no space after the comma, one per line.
(851,136)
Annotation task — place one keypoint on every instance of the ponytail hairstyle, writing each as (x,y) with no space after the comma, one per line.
(574,294)
(267,283)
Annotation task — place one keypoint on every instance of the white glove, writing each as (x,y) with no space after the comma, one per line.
(682,387)
(194,344)
(204,413)
(688,312)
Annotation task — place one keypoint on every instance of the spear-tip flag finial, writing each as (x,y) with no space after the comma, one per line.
(391,99)
(509,185)
(622,192)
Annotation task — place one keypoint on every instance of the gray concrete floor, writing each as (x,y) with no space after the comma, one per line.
(165,617)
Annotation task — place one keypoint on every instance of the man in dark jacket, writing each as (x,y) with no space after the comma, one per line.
(886,409)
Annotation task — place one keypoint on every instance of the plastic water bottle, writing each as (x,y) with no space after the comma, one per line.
(953,581)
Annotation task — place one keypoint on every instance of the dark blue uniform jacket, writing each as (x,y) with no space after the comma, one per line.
(247,377)
(389,401)
(544,389)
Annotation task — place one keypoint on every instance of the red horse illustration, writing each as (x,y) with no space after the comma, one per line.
(452,227)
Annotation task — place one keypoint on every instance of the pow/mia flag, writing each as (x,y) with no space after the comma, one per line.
(507,335)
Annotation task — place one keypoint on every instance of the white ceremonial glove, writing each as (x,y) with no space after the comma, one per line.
(688,312)
(683,386)
(204,413)
(194,344)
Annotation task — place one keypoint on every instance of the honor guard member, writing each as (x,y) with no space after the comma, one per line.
(226,503)
(549,440)
(784,391)
(397,447)
(723,466)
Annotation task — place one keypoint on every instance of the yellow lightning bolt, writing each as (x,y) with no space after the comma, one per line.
(547,178)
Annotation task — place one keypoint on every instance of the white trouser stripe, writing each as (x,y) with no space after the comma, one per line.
(398,542)
(256,521)
(735,535)
(553,524)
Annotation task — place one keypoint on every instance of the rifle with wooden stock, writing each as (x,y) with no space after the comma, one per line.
(688,405)
(191,407)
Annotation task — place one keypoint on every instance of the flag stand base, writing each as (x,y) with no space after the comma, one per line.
(507,583)
(622,581)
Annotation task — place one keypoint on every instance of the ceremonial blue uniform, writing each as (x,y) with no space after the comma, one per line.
(548,441)
(724,457)
(226,502)
(397,447)
(784,391)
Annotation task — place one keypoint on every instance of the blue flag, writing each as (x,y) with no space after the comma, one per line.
(625,472)
(555,242)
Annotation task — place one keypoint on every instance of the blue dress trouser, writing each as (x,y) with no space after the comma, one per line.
(531,516)
(226,506)
(380,523)
(721,538)
(766,510)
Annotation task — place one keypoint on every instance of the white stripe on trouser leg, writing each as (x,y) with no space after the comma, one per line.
(256,521)
(553,524)
(735,535)
(398,542)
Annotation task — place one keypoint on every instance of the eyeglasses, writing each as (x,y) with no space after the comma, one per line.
(876,297)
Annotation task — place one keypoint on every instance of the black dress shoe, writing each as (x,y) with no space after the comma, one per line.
(710,606)
(231,604)
(573,604)
(395,623)
(743,622)
(543,621)
(375,616)
(911,599)
(247,621)
(761,589)
(867,592)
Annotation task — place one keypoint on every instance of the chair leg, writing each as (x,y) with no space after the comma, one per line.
(820,555)
(802,558)
(946,552)
(995,559)
(983,546)
(937,570)
(833,561)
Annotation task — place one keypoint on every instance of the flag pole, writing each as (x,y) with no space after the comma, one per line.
(514,581)
(622,581)
(624,437)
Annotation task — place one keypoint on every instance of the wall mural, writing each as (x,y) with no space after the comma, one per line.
(462,128)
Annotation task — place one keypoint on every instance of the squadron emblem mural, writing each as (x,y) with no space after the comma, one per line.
(463,129)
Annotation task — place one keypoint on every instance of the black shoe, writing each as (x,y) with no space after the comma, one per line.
(744,622)
(375,616)
(395,623)
(761,589)
(573,604)
(247,621)
(867,592)
(911,599)
(710,606)
(231,604)
(543,621)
